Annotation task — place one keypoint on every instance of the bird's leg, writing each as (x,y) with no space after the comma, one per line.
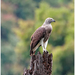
(42,44)
(44,49)
(45,45)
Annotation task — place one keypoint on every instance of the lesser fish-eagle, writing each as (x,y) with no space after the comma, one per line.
(41,35)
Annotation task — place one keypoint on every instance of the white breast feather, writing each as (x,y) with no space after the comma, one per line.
(50,26)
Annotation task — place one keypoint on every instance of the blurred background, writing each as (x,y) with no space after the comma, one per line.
(20,18)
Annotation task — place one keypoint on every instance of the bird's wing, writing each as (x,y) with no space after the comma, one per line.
(37,36)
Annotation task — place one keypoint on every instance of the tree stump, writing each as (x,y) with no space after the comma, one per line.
(40,64)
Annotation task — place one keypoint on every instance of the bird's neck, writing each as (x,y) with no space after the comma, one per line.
(44,24)
(47,25)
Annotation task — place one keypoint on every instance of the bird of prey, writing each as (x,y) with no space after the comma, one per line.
(41,35)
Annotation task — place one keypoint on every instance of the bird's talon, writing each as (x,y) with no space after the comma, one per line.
(45,50)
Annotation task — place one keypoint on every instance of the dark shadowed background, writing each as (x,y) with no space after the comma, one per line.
(20,18)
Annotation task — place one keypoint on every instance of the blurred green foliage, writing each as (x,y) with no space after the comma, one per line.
(19,22)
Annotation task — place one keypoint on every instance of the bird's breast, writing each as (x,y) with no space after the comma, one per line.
(50,26)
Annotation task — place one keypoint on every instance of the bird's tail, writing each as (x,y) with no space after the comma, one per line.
(32,52)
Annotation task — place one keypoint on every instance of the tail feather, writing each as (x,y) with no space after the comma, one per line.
(32,52)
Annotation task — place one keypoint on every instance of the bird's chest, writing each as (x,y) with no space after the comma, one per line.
(48,29)
(48,32)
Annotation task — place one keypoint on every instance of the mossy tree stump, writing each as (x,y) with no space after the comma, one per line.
(40,64)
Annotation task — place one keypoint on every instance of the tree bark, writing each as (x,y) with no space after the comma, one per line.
(40,64)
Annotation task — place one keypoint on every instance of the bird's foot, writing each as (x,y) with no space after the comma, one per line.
(44,50)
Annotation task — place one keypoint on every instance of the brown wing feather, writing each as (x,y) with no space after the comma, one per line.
(37,36)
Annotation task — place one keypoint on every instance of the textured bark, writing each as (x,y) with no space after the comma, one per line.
(40,64)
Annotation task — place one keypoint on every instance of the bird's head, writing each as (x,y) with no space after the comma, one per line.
(49,20)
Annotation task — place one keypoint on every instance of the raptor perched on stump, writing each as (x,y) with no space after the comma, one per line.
(41,35)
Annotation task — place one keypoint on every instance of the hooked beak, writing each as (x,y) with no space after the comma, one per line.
(53,20)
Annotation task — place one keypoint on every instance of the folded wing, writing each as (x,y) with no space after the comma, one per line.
(37,36)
